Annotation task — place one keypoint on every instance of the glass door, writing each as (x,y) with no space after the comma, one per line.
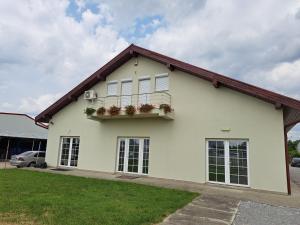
(228,161)
(238,155)
(126,93)
(144,90)
(133,155)
(216,161)
(69,151)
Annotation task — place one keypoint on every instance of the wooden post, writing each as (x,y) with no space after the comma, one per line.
(7,148)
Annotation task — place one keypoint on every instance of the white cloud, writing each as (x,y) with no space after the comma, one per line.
(43,50)
(283,77)
(33,105)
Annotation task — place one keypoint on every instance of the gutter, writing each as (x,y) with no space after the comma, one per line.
(40,125)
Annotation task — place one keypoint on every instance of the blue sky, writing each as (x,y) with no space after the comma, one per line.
(47,47)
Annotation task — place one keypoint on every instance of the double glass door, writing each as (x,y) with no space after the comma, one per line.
(133,155)
(228,161)
(69,151)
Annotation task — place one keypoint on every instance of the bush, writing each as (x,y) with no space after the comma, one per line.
(292,149)
(89,111)
(114,110)
(145,108)
(130,110)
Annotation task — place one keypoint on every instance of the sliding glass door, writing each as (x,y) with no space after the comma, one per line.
(227,161)
(133,155)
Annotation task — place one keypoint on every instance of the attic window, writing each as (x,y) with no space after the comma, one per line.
(112,88)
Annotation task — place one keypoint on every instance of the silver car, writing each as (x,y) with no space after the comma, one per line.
(29,158)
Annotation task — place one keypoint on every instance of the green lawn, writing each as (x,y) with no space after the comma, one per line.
(44,198)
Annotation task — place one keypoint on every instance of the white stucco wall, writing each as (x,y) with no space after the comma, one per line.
(177,147)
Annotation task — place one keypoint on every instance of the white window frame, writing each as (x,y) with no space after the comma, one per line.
(126,152)
(227,164)
(123,97)
(112,83)
(162,76)
(147,95)
(70,151)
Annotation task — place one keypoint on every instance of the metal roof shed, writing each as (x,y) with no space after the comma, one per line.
(19,133)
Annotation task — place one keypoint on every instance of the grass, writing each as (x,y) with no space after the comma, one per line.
(32,198)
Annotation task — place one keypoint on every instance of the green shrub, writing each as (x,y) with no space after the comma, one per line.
(89,111)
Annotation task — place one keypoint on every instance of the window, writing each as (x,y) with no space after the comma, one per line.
(69,151)
(112,88)
(40,154)
(162,83)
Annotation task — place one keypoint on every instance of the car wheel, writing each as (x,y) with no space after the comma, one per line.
(31,164)
(18,166)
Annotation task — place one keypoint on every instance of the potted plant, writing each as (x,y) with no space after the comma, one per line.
(145,108)
(167,108)
(130,110)
(114,110)
(101,111)
(89,111)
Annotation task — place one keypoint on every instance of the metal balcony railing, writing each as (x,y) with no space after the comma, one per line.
(154,98)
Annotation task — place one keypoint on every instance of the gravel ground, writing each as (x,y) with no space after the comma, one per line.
(251,213)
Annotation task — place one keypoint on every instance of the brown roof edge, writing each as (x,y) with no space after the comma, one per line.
(132,50)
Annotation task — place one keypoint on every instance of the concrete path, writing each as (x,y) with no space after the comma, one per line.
(7,165)
(244,194)
(205,210)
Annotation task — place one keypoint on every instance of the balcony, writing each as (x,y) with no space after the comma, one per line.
(158,100)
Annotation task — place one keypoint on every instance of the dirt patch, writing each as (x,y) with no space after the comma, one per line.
(16,219)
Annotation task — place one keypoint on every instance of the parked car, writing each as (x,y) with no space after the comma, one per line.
(295,162)
(29,158)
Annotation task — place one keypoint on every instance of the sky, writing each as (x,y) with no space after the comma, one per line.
(47,47)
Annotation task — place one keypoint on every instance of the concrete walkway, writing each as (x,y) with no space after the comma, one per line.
(209,190)
(205,210)
(4,165)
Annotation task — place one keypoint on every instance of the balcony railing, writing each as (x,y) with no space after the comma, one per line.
(156,99)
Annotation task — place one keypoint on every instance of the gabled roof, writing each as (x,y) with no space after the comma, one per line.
(21,126)
(280,101)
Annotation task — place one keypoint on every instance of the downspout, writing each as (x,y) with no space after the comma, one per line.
(288,179)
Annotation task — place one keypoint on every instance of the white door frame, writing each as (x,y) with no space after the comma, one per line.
(70,151)
(126,154)
(126,98)
(227,162)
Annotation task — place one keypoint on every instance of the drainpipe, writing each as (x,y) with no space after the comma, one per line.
(288,179)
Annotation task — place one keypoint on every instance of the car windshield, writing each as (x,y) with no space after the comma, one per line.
(25,154)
